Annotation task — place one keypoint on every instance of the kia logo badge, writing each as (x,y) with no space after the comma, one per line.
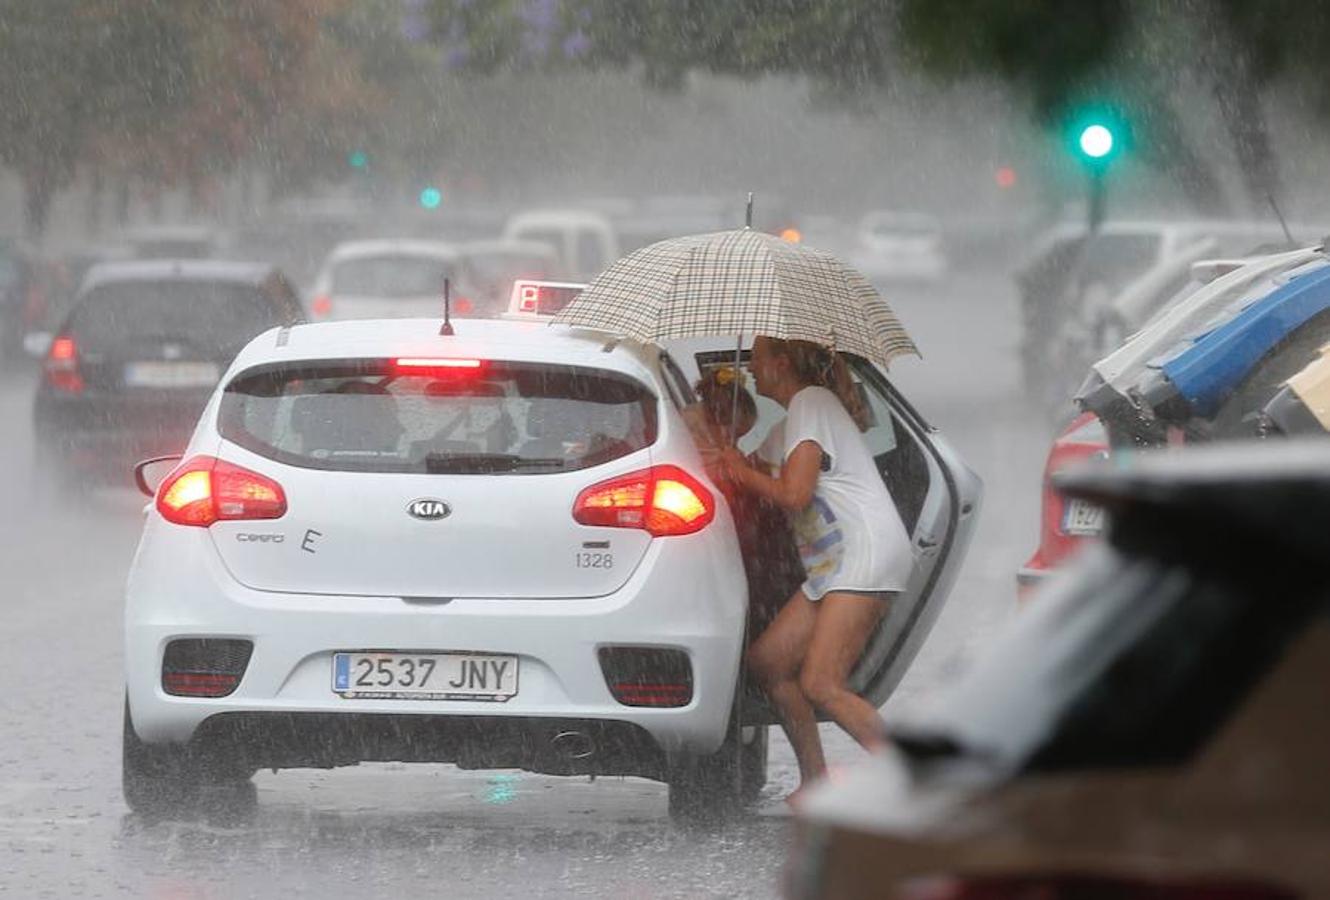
(428,509)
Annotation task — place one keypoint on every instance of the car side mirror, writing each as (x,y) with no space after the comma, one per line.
(148,475)
(37,343)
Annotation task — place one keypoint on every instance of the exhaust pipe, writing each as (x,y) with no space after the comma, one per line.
(573,744)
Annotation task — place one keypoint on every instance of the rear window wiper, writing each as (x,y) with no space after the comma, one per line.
(445,463)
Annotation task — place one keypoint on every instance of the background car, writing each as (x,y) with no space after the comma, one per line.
(22,301)
(491,268)
(584,241)
(1079,291)
(388,278)
(174,241)
(1065,523)
(349,450)
(900,245)
(133,363)
(1155,726)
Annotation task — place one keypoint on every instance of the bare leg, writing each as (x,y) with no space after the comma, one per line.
(842,629)
(774,659)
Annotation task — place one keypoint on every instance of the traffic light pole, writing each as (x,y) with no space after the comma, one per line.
(1098,198)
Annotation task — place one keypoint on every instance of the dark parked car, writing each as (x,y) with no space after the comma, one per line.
(133,363)
(1157,725)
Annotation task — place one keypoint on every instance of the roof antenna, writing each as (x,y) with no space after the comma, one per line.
(447,329)
(1288,235)
(748,217)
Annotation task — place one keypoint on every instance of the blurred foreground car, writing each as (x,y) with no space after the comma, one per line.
(377,279)
(497,548)
(1156,726)
(1302,406)
(133,363)
(1192,339)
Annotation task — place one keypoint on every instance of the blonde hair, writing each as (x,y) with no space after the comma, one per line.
(820,366)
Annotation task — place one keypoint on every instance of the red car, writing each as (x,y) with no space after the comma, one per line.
(1065,524)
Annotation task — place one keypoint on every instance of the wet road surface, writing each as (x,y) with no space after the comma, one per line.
(382,830)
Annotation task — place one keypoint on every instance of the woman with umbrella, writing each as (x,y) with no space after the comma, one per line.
(853,545)
(805,307)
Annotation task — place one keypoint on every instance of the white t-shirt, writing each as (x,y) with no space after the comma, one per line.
(850,536)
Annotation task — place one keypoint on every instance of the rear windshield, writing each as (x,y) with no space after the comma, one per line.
(209,315)
(375,416)
(391,276)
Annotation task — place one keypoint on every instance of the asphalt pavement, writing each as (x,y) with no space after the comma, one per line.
(395,830)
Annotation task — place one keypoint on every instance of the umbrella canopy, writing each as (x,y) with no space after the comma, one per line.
(740,282)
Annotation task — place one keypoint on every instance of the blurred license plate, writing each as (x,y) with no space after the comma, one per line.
(425,676)
(1083,519)
(171,374)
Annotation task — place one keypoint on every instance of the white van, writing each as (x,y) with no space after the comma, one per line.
(585,241)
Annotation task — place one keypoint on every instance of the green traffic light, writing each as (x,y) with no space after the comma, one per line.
(1096,141)
(431,197)
(358,159)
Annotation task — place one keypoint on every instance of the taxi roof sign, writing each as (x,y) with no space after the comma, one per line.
(541,298)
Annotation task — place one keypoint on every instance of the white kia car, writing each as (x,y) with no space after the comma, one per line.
(497,548)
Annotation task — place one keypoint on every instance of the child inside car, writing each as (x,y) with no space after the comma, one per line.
(771,560)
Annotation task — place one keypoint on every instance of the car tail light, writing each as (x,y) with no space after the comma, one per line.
(62,365)
(204,667)
(662,500)
(205,490)
(1066,886)
(321,305)
(438,368)
(647,676)
(463,306)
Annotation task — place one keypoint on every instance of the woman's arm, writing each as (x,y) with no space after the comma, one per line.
(793,488)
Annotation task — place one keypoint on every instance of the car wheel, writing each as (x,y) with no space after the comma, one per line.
(156,781)
(706,790)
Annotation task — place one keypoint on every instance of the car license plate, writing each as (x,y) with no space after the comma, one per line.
(1083,519)
(370,675)
(171,374)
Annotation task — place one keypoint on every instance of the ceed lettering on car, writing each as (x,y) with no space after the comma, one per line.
(246,538)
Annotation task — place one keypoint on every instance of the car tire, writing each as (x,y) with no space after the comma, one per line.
(157,780)
(705,790)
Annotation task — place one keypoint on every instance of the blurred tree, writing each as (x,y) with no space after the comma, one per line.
(72,70)
(1132,55)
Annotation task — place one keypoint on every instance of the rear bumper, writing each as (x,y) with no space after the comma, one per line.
(689,593)
(551,746)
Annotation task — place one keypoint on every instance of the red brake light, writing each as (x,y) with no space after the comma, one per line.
(1064,886)
(62,365)
(439,368)
(463,306)
(206,490)
(662,500)
(321,305)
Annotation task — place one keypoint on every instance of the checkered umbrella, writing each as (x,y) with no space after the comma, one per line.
(740,282)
